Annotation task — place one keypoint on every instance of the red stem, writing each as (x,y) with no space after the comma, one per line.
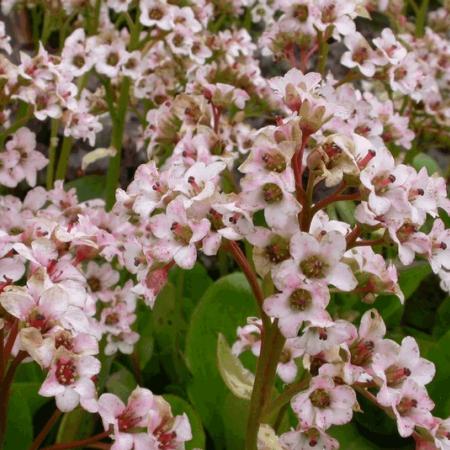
(2,360)
(353,235)
(216,117)
(296,163)
(13,332)
(335,198)
(44,432)
(366,242)
(252,279)
(79,443)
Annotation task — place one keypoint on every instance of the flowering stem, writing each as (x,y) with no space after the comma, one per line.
(79,443)
(10,341)
(112,177)
(286,396)
(296,162)
(421,18)
(252,279)
(366,243)
(353,235)
(334,198)
(2,342)
(52,153)
(323,52)
(44,432)
(271,347)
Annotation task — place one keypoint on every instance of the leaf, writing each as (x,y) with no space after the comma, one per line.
(19,424)
(224,306)
(76,424)
(121,382)
(411,278)
(93,156)
(234,374)
(29,390)
(442,323)
(439,353)
(346,211)
(424,160)
(351,438)
(234,414)
(88,187)
(146,343)
(170,331)
(180,406)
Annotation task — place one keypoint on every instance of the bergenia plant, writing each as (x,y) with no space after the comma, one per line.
(224,225)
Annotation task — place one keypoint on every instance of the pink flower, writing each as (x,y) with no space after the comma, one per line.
(101,279)
(30,161)
(411,406)
(177,234)
(308,440)
(69,380)
(395,364)
(129,421)
(320,260)
(324,404)
(359,54)
(389,47)
(298,301)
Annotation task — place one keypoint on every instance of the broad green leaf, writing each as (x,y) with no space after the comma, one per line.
(346,211)
(76,424)
(29,390)
(225,306)
(411,278)
(424,160)
(170,331)
(19,424)
(442,321)
(439,353)
(88,187)
(180,406)
(351,438)
(234,374)
(121,382)
(145,345)
(234,414)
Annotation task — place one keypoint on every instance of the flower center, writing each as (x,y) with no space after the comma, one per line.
(274,162)
(278,250)
(314,267)
(396,375)
(405,405)
(181,233)
(94,284)
(66,372)
(361,353)
(272,193)
(300,300)
(301,13)
(64,339)
(320,398)
(127,420)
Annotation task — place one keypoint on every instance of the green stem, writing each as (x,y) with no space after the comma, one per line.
(286,396)
(52,152)
(272,345)
(421,18)
(112,177)
(63,161)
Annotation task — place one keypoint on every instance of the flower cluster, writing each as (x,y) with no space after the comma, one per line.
(235,163)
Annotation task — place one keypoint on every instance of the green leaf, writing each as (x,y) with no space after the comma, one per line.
(76,424)
(121,382)
(346,211)
(19,424)
(411,278)
(424,160)
(439,353)
(234,374)
(88,187)
(145,345)
(442,323)
(350,438)
(224,306)
(234,414)
(170,331)
(180,406)
(29,390)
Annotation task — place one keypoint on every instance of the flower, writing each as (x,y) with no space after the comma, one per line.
(324,404)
